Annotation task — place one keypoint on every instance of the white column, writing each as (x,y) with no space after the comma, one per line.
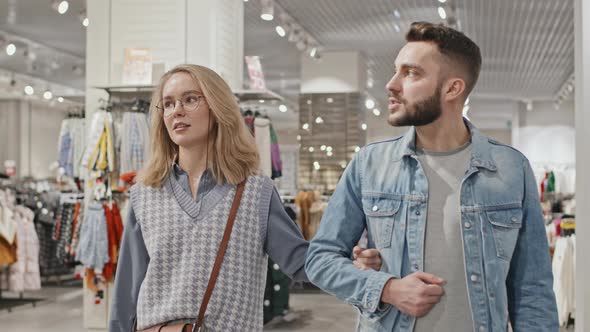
(335,72)
(582,74)
(204,32)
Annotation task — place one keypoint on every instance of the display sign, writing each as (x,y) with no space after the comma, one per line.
(255,73)
(137,67)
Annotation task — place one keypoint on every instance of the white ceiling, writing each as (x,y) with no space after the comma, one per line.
(527,45)
(60,41)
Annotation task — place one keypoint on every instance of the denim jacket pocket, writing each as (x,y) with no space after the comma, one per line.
(506,225)
(380,212)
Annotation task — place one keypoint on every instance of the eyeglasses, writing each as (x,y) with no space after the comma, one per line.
(189,103)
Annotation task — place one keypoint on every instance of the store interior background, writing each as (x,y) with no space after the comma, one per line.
(534,65)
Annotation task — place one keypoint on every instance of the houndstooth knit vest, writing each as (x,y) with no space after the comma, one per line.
(182,238)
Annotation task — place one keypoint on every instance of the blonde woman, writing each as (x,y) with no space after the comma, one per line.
(201,150)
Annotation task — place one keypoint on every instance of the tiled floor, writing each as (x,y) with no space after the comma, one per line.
(62,311)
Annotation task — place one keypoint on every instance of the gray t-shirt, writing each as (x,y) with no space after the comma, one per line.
(443,246)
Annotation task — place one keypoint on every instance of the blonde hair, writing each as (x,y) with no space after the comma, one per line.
(234,154)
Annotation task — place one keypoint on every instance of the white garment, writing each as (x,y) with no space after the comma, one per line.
(563,274)
(24,273)
(262,134)
(135,142)
(8,226)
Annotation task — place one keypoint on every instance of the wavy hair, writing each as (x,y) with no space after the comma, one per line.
(234,154)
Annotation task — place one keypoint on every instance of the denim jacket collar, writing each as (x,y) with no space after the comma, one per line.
(480,156)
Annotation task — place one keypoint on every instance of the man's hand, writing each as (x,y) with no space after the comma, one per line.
(366,259)
(415,294)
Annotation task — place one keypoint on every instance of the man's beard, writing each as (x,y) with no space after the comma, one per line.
(420,113)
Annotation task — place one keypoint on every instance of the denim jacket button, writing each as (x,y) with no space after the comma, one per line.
(417,213)
(375,208)
(514,219)
(467,224)
(482,329)
(473,277)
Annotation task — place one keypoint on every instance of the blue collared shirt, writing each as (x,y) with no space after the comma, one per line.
(385,190)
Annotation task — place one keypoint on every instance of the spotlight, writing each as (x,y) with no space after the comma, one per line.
(268,10)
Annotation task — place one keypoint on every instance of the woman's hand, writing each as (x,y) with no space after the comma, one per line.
(366,259)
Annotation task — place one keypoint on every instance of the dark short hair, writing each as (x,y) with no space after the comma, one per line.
(453,44)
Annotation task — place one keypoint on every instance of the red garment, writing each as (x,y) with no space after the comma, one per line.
(76,216)
(118,224)
(108,269)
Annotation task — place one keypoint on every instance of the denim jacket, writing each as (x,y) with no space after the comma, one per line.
(506,256)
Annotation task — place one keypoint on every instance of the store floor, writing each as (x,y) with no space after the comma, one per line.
(62,311)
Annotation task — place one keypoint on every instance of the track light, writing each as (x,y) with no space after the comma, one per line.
(83,17)
(268,10)
(10,49)
(29,90)
(281,31)
(442,13)
(60,6)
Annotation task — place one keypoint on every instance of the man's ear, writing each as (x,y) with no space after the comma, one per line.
(453,89)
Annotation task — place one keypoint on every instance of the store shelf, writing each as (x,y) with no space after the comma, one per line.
(128,91)
(247,95)
(126,88)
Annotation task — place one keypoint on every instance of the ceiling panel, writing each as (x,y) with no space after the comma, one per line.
(527,45)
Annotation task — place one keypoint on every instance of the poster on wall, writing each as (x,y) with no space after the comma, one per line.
(255,73)
(137,67)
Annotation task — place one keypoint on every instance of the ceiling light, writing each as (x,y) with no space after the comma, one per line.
(329,153)
(60,99)
(370,83)
(313,52)
(319,120)
(283,108)
(529,106)
(299,137)
(245,0)
(29,90)
(10,49)
(376,112)
(305,126)
(396,13)
(329,149)
(316,165)
(311,149)
(261,101)
(442,1)
(343,164)
(396,27)
(85,22)
(47,95)
(357,148)
(442,13)
(369,103)
(329,100)
(62,7)
(268,10)
(323,148)
(364,126)
(309,102)
(281,31)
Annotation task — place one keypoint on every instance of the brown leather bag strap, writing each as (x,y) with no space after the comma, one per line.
(220,255)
